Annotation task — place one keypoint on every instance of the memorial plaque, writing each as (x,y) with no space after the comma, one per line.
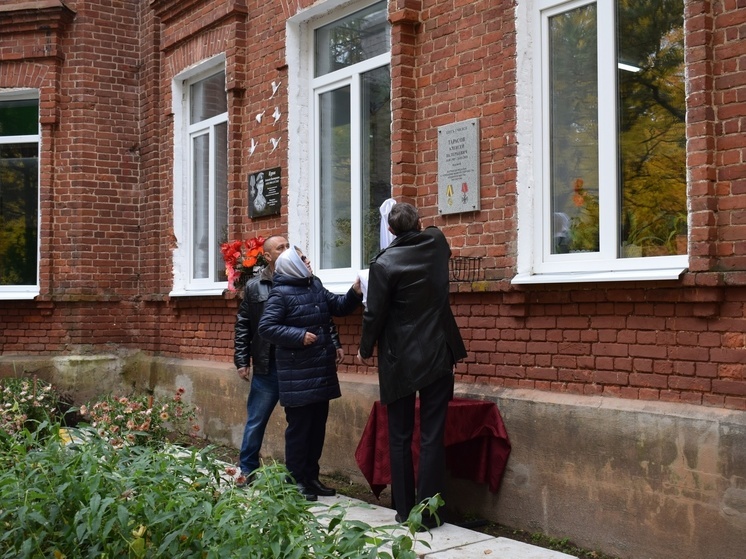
(264,193)
(458,167)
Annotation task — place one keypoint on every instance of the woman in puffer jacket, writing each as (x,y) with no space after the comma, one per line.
(296,321)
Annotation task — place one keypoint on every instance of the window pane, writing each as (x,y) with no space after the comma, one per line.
(574,179)
(347,41)
(19,118)
(376,156)
(221,198)
(335,178)
(201,210)
(19,180)
(652,143)
(208,98)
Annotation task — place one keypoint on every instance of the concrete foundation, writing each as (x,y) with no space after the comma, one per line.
(638,480)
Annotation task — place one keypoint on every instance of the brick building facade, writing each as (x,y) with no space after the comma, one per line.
(649,351)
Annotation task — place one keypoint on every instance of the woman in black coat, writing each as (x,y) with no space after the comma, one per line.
(296,321)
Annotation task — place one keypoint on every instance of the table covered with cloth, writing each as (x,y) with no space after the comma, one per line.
(477,444)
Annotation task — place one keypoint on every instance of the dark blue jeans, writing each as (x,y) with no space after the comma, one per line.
(263,396)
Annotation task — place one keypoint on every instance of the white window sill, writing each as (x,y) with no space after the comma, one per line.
(18,295)
(207,292)
(587,277)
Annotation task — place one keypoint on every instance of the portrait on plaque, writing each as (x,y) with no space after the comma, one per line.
(264,193)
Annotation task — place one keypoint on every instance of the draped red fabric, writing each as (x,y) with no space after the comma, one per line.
(477,444)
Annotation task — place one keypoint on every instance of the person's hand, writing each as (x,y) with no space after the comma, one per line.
(340,355)
(367,362)
(244,373)
(309,338)
(356,287)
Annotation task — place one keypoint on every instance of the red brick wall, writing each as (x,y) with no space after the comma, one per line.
(683,343)
(107,191)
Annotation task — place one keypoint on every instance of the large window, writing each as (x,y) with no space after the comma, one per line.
(201,208)
(609,141)
(19,194)
(351,142)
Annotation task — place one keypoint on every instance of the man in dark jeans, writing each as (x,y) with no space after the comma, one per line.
(255,360)
(409,317)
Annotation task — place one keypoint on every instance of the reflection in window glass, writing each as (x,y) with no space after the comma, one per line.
(648,190)
(335,177)
(201,209)
(19,192)
(376,157)
(19,117)
(652,142)
(221,197)
(208,98)
(353,39)
(574,130)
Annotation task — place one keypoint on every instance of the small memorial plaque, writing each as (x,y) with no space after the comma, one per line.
(264,193)
(458,167)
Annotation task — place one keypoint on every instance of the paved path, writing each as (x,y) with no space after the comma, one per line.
(447,541)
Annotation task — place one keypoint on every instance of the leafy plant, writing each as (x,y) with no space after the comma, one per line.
(141,419)
(93,500)
(26,404)
(82,492)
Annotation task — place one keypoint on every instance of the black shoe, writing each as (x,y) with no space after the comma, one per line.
(428,523)
(307,492)
(320,489)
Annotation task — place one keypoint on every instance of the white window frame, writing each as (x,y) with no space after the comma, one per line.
(536,263)
(184,284)
(25,292)
(303,117)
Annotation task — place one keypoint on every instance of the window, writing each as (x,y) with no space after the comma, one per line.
(609,144)
(200,172)
(349,141)
(19,195)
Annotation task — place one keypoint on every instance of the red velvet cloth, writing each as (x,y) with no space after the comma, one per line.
(477,444)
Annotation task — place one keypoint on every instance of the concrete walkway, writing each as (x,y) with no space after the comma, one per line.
(447,541)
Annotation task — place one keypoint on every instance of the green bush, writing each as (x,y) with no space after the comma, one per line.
(141,419)
(70,493)
(94,500)
(26,404)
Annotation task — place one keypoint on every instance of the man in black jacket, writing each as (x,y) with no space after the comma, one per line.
(408,315)
(254,355)
(254,358)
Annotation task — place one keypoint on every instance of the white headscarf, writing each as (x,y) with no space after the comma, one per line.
(289,263)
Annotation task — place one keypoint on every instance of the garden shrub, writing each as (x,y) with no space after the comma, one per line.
(142,419)
(26,404)
(94,492)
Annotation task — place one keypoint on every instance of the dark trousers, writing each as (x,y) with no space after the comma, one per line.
(431,473)
(304,440)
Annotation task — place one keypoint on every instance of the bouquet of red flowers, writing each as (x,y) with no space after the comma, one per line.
(241,257)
